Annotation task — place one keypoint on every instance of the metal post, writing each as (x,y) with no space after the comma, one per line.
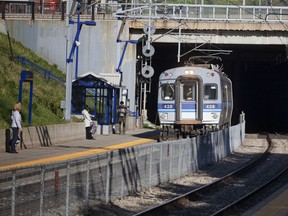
(20,90)
(30,104)
(144,102)
(87,186)
(42,188)
(160,161)
(149,25)
(179,44)
(68,97)
(77,46)
(179,159)
(108,177)
(150,165)
(67,188)
(13,194)
(170,160)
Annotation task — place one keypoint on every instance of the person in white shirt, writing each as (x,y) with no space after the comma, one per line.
(87,122)
(16,126)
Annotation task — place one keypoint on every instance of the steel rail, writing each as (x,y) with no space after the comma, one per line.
(230,209)
(171,205)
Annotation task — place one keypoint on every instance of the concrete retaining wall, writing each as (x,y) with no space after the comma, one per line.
(45,135)
(37,136)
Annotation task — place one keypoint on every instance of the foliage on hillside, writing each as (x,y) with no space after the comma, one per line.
(47,94)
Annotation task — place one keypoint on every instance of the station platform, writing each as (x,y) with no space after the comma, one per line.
(75,149)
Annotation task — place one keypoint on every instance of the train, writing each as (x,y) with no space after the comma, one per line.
(194,99)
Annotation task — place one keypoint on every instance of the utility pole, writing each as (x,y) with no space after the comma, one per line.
(68,97)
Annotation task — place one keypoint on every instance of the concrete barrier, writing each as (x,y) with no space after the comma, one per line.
(37,136)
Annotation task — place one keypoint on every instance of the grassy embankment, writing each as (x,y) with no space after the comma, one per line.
(47,94)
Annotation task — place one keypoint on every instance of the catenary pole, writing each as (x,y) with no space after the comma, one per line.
(68,96)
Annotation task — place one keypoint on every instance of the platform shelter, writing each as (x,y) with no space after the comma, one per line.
(99,94)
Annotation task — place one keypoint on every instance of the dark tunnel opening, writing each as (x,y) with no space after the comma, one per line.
(259,76)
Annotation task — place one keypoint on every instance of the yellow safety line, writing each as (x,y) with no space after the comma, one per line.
(75,155)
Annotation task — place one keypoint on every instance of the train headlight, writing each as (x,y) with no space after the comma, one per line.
(214,115)
(164,116)
(189,72)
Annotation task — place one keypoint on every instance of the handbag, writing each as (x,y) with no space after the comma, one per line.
(93,127)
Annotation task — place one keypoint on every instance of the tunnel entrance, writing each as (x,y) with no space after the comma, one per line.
(259,74)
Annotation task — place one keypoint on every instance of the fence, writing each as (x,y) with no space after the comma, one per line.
(160,11)
(58,187)
(46,73)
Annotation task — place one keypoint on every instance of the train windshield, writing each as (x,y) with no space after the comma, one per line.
(189,91)
(167,92)
(210,92)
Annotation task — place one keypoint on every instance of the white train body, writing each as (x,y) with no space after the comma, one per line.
(194,98)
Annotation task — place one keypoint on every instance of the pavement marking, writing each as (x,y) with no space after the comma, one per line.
(75,155)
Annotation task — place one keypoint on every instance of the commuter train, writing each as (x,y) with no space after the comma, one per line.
(194,99)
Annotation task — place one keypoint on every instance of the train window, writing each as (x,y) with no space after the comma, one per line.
(167,92)
(189,91)
(210,92)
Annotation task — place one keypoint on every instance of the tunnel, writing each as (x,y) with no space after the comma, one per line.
(259,74)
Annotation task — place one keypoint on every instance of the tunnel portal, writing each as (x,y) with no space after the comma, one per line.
(259,74)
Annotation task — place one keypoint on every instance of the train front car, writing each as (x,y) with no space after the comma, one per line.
(190,101)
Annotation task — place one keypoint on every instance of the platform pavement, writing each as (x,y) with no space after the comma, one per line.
(75,149)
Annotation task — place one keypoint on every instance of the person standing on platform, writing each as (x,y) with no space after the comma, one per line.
(122,112)
(16,126)
(88,122)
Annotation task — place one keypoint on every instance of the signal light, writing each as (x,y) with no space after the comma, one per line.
(168,74)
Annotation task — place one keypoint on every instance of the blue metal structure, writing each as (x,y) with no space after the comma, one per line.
(118,69)
(89,89)
(27,76)
(76,42)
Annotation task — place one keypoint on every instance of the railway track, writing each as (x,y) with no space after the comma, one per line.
(194,204)
(225,195)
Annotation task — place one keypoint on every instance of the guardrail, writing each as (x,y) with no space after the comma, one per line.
(205,12)
(46,74)
(192,12)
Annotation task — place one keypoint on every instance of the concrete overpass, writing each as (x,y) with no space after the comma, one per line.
(176,24)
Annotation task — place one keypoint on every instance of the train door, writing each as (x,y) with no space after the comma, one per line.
(188,100)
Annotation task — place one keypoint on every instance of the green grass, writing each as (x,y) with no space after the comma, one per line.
(47,94)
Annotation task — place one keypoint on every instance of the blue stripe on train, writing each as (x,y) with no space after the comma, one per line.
(208,106)
(189,110)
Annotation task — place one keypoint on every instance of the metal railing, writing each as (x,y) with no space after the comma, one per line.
(46,73)
(73,185)
(192,12)
(205,12)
